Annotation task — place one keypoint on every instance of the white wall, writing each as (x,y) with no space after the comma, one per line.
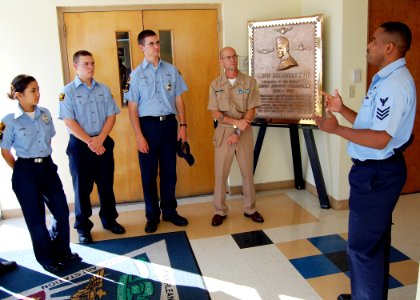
(30,44)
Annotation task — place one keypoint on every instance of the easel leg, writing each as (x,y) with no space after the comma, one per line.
(258,144)
(316,168)
(297,162)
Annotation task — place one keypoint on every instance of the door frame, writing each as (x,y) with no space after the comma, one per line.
(74,36)
(62,30)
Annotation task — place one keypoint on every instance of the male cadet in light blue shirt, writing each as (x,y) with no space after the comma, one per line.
(381,132)
(89,112)
(154,98)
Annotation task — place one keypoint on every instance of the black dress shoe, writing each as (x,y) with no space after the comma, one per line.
(69,259)
(256,217)
(53,267)
(7,266)
(151,226)
(217,220)
(85,238)
(176,220)
(344,297)
(115,228)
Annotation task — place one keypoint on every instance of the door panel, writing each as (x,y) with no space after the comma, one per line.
(383,11)
(195,52)
(96,32)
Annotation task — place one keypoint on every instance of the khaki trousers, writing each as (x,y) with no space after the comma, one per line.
(223,157)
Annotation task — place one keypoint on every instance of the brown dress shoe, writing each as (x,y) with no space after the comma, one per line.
(217,220)
(256,217)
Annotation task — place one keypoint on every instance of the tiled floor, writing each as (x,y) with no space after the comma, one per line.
(297,253)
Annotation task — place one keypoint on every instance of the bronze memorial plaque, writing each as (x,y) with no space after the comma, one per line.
(286,60)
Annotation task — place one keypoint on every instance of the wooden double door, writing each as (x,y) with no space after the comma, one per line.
(194,50)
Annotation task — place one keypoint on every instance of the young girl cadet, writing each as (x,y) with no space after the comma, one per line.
(35,180)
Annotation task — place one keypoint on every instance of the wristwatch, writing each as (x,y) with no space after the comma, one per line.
(237,130)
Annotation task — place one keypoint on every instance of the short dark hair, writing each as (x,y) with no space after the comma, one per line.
(402,32)
(143,35)
(19,84)
(79,53)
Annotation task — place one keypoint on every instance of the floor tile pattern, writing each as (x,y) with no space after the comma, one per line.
(326,256)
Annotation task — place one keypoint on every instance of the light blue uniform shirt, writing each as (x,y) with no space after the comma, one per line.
(390,105)
(29,137)
(155,89)
(87,106)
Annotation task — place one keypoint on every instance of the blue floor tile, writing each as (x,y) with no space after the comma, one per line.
(314,266)
(394,283)
(329,243)
(397,255)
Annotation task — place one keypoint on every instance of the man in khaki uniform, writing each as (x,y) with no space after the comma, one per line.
(233,99)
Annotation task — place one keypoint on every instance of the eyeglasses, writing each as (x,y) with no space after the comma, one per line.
(233,57)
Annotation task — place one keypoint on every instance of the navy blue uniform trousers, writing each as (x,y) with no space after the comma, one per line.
(37,185)
(162,138)
(375,187)
(87,168)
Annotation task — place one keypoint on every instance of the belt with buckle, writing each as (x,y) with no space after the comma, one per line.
(378,162)
(159,118)
(37,160)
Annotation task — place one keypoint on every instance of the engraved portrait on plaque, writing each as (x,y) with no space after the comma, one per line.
(285,57)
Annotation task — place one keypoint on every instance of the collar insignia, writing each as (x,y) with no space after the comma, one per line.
(45,118)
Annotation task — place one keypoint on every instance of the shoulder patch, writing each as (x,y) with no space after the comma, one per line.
(62,96)
(2,127)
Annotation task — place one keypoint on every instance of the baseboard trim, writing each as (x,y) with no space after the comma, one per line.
(232,190)
(289,184)
(17,212)
(260,187)
(335,204)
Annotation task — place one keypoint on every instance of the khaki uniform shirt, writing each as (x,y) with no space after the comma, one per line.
(233,101)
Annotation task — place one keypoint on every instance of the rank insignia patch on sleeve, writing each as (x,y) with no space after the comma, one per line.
(382,113)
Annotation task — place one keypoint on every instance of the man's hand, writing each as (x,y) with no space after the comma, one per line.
(328,124)
(142,145)
(233,139)
(182,134)
(95,144)
(333,103)
(243,124)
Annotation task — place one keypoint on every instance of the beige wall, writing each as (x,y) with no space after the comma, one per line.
(30,44)
(345,40)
